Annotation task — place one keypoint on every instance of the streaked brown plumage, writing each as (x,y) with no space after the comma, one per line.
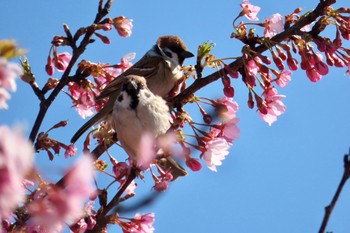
(160,66)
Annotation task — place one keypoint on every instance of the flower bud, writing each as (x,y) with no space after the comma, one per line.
(261,105)
(281,54)
(278,61)
(51,84)
(161,185)
(103,38)
(229,91)
(250,100)
(193,164)
(291,62)
(226,81)
(49,68)
(232,73)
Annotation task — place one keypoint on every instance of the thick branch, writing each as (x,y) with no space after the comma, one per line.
(330,207)
(201,82)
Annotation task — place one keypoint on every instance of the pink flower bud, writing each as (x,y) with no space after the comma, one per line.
(337,41)
(161,186)
(345,33)
(265,59)
(49,68)
(103,38)
(71,150)
(329,59)
(281,54)
(226,81)
(231,72)
(291,62)
(229,91)
(105,26)
(193,164)
(250,101)
(337,61)
(313,75)
(321,68)
(261,105)
(278,61)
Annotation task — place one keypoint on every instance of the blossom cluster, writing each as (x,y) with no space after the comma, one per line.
(257,68)
(51,206)
(16,162)
(9,72)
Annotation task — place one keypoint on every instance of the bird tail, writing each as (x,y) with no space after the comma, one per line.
(94,120)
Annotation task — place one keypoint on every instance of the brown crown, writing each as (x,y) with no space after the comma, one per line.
(171,42)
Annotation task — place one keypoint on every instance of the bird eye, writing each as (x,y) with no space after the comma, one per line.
(168,54)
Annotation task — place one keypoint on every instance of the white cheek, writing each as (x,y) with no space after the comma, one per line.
(123,100)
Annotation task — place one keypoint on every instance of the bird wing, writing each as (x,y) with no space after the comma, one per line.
(147,66)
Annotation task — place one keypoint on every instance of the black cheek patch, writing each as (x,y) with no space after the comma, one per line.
(120,98)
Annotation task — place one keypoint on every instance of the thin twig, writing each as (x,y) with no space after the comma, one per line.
(330,207)
(37,91)
(77,52)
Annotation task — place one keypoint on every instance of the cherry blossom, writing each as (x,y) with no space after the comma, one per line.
(83,98)
(215,151)
(250,11)
(141,223)
(71,150)
(123,25)
(230,130)
(61,61)
(4,96)
(52,207)
(16,160)
(130,190)
(284,78)
(226,108)
(274,105)
(8,73)
(147,151)
(273,25)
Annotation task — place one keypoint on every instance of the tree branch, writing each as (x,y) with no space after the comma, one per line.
(182,98)
(77,52)
(101,218)
(330,207)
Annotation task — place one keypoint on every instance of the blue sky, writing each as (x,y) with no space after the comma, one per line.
(276,179)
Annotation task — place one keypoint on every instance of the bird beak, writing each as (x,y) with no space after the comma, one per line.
(186,54)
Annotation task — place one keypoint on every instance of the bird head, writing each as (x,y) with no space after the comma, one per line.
(167,45)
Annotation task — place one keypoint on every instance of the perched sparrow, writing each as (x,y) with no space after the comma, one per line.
(137,112)
(160,66)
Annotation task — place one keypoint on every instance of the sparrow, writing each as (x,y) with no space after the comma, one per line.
(137,112)
(161,68)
